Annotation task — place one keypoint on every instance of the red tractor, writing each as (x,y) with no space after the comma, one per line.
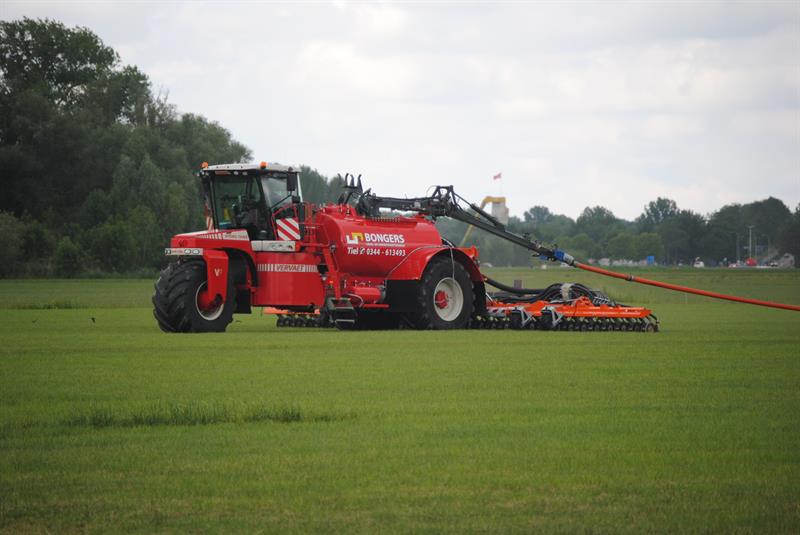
(366,262)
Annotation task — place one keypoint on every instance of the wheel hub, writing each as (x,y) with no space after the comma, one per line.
(448,299)
(209,308)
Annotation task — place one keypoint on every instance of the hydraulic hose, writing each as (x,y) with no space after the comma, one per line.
(511,289)
(686,289)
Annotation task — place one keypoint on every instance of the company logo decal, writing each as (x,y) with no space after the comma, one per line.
(375,238)
(288,268)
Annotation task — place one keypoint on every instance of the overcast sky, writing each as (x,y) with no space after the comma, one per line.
(576,104)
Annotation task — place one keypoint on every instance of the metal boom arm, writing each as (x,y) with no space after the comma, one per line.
(445,203)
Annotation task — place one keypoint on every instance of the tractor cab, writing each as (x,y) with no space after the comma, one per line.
(254,198)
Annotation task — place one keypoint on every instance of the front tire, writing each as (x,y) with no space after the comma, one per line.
(445,299)
(177,303)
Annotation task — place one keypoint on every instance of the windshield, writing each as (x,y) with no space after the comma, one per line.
(275,190)
(234,197)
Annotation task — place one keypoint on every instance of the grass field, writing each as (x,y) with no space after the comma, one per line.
(110,425)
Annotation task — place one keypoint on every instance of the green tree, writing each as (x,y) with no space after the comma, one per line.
(581,246)
(655,213)
(67,260)
(675,240)
(683,236)
(57,115)
(96,209)
(768,215)
(10,243)
(56,62)
(204,141)
(788,239)
(148,246)
(111,246)
(649,244)
(537,215)
(84,143)
(726,231)
(37,240)
(599,223)
(623,246)
(316,187)
(557,225)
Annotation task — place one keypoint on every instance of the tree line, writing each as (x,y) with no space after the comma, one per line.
(664,231)
(98,172)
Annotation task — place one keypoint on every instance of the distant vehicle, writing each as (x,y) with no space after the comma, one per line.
(786,261)
(698,263)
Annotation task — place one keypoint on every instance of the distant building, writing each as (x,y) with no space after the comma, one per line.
(500,210)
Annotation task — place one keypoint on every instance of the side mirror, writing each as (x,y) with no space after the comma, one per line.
(291,182)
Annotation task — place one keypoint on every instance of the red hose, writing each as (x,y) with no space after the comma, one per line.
(685,289)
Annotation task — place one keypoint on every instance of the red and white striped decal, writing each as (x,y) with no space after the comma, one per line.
(239,235)
(288,229)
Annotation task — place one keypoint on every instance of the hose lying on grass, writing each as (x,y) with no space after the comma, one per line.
(686,289)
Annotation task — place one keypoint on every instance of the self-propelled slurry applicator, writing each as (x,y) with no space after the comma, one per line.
(365,262)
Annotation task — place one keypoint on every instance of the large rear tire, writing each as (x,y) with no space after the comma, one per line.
(176,301)
(445,299)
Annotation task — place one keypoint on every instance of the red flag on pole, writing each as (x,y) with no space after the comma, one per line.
(498,176)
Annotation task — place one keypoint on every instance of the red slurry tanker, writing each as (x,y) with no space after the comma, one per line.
(356,264)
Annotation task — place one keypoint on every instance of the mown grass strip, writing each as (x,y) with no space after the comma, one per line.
(195,413)
(50,305)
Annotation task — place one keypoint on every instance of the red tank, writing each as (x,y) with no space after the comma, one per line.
(373,247)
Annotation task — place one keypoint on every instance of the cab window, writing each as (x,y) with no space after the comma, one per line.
(275,190)
(234,196)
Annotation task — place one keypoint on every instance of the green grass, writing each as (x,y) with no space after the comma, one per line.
(780,285)
(75,293)
(112,425)
(192,413)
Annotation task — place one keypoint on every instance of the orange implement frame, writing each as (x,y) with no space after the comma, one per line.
(580,314)
(579,308)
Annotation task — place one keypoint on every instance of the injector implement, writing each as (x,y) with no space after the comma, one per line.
(364,262)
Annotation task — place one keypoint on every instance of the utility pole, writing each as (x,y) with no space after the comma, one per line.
(750,241)
(737,249)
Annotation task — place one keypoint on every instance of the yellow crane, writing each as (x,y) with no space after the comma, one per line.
(499,211)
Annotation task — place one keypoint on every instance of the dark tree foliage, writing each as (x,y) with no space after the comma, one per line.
(788,239)
(537,215)
(57,63)
(600,224)
(317,188)
(655,213)
(88,152)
